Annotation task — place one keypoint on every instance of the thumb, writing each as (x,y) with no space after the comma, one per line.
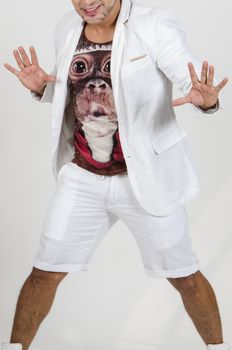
(50,78)
(180,101)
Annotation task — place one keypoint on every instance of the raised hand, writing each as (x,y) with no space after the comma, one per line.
(31,75)
(203,93)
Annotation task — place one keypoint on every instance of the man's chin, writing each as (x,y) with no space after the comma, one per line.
(93,20)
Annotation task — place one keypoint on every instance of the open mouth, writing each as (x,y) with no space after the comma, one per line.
(98,111)
(98,114)
(92,11)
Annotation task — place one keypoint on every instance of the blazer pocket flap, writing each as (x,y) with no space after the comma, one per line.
(162,144)
(137,58)
(142,61)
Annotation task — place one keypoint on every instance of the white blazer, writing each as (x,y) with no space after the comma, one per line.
(149,54)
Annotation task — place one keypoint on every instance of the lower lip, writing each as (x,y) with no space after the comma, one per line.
(91,13)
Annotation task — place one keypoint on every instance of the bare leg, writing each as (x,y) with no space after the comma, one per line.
(34,302)
(201,305)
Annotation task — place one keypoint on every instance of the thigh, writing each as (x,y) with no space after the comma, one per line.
(76,221)
(165,245)
(164,242)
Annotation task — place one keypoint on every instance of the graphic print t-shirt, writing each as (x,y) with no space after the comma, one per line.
(96,135)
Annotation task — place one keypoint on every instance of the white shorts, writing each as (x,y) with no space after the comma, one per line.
(83,208)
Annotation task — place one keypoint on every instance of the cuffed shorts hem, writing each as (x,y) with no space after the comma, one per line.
(183,272)
(59,268)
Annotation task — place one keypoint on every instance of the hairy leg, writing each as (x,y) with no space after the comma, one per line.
(34,302)
(201,305)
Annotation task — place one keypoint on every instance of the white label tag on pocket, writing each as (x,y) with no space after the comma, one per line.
(137,58)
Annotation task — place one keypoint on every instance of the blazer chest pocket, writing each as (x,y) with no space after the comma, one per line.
(139,62)
(166,142)
(138,79)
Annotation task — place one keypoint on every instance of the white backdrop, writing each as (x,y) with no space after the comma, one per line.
(114,305)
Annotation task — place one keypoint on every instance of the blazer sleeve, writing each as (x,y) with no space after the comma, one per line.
(48,93)
(173,55)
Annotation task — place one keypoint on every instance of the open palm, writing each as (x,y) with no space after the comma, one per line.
(202,93)
(30,74)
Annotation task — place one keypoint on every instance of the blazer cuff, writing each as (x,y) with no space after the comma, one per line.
(35,96)
(47,96)
(214,110)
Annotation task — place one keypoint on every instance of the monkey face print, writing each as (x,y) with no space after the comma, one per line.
(96,133)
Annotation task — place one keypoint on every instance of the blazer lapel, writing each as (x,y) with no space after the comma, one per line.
(118,48)
(61,89)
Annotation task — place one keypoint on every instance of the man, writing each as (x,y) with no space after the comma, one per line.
(119,153)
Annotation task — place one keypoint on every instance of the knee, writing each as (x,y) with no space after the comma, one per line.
(40,276)
(184,285)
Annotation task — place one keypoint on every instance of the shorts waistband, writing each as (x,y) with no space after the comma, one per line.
(99,176)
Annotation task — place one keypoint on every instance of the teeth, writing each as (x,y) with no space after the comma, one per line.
(90,10)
